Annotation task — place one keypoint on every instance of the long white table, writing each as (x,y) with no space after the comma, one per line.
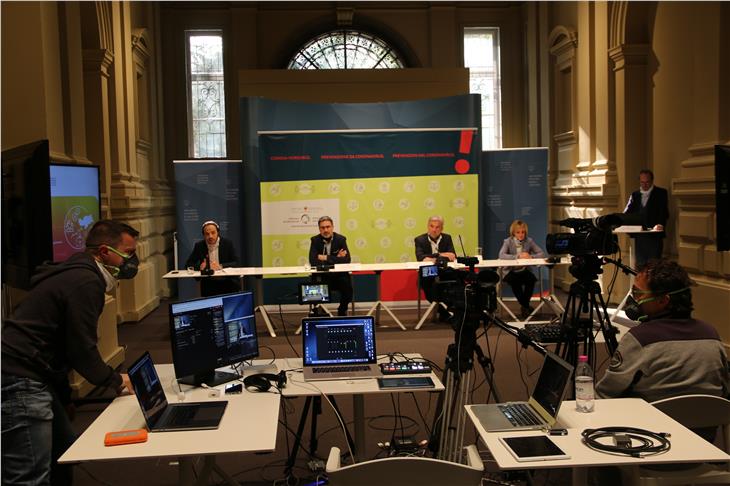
(686,446)
(236,433)
(377,268)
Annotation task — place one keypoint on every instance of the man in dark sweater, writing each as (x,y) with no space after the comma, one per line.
(331,248)
(652,203)
(51,332)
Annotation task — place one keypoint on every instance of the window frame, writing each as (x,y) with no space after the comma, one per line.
(497,55)
(189,90)
(391,50)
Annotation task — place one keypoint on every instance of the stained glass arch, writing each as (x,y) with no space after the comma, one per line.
(346,49)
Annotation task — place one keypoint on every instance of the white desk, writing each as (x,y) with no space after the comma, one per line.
(237,433)
(296,387)
(686,446)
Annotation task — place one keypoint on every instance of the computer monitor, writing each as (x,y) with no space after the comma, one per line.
(212,332)
(313,293)
(429,271)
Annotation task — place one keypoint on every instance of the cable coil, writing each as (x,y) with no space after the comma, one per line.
(649,443)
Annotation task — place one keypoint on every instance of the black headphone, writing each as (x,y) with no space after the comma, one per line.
(218,228)
(262,382)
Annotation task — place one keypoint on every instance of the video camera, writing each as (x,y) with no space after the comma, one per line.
(592,236)
(466,290)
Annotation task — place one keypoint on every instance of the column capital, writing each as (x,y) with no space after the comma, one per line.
(629,55)
(97,61)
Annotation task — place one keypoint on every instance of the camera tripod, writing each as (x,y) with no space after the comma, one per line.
(585,305)
(458,378)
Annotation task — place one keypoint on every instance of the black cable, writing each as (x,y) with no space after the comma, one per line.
(650,443)
(286,334)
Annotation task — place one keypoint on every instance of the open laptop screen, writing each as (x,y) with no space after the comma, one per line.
(339,340)
(148,389)
(552,383)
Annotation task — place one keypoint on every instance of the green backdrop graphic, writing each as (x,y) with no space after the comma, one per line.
(379,216)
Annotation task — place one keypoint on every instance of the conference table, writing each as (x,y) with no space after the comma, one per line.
(238,432)
(686,446)
(376,268)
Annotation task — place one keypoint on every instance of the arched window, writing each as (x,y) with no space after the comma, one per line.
(346,49)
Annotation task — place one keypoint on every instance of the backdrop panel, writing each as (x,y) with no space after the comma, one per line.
(513,185)
(206,190)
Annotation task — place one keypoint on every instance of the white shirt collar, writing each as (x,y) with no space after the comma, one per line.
(111,282)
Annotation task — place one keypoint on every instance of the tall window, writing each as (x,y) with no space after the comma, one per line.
(346,49)
(481,56)
(206,95)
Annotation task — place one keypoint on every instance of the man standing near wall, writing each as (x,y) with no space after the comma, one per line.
(52,332)
(652,203)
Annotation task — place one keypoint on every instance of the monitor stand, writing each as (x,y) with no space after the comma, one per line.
(210,378)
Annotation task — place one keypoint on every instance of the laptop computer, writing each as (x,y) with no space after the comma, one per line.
(339,348)
(162,416)
(540,411)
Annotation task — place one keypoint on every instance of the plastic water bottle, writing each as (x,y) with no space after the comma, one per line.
(584,394)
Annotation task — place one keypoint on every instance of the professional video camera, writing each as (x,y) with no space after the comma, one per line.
(465,290)
(591,237)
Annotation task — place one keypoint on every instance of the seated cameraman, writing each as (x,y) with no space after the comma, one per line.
(429,247)
(669,353)
(521,279)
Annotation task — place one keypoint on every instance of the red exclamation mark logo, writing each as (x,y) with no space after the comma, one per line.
(462,166)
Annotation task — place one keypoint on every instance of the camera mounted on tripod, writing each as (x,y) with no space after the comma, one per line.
(466,290)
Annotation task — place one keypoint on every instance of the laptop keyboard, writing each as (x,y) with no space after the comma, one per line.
(181,415)
(519,414)
(340,369)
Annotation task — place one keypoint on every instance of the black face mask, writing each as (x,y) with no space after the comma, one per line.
(633,310)
(129,267)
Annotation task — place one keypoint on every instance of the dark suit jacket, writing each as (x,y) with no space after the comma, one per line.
(656,210)
(226,254)
(316,247)
(423,246)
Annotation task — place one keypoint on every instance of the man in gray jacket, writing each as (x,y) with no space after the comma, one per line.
(669,353)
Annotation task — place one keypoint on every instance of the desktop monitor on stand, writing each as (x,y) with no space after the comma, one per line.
(210,333)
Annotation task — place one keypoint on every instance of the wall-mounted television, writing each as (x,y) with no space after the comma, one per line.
(47,208)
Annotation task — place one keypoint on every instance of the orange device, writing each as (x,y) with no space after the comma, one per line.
(125,437)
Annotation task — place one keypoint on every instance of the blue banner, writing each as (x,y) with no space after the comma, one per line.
(513,185)
(206,190)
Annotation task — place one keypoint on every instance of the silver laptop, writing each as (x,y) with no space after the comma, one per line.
(540,411)
(339,348)
(162,416)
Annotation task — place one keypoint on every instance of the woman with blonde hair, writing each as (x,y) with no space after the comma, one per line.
(521,279)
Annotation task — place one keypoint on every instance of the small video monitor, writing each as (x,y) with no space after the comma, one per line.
(313,293)
(429,271)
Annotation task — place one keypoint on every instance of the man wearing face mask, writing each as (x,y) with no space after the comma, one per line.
(51,332)
(669,353)
(214,252)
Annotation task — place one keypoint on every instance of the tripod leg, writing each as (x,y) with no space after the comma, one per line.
(488,368)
